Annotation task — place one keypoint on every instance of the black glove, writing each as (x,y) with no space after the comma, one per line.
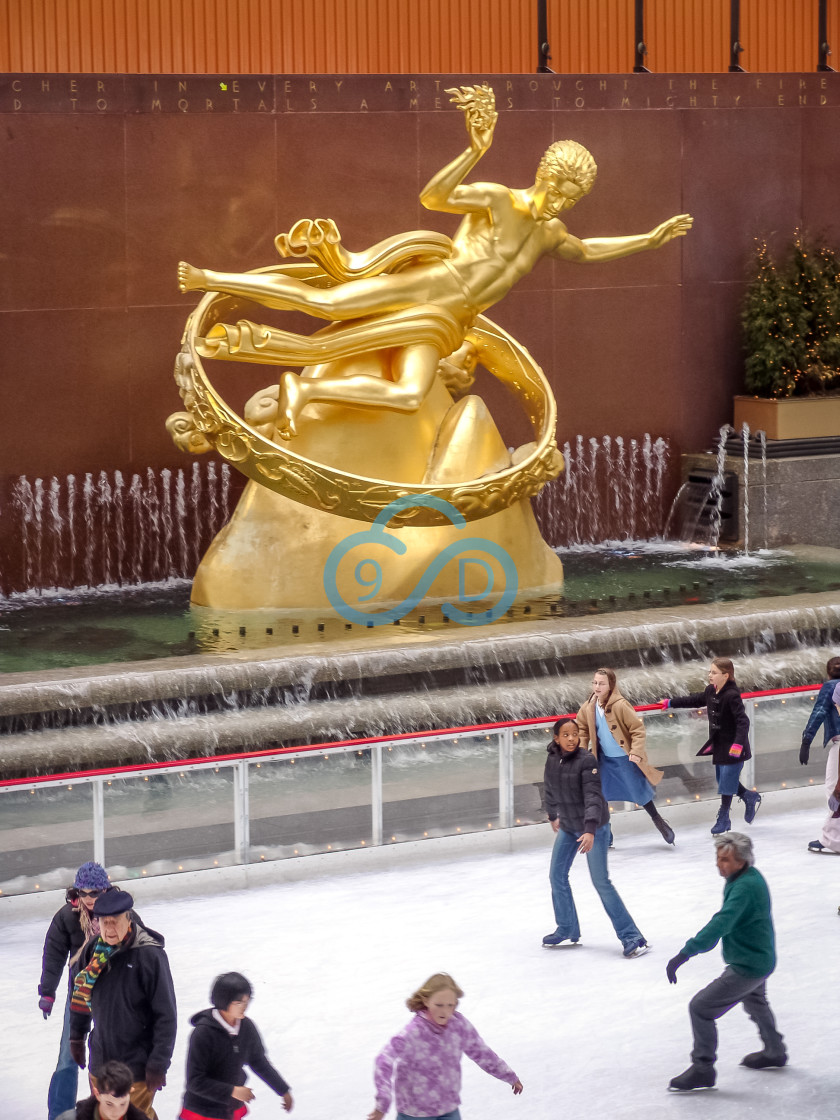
(46,1005)
(155,1079)
(804,752)
(673,964)
(77,1051)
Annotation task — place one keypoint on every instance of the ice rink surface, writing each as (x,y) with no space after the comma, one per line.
(333,958)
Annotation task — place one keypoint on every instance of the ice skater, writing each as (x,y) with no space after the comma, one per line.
(124,988)
(223,1042)
(617,736)
(421,1066)
(70,930)
(580,818)
(826,714)
(110,1098)
(744,926)
(729,739)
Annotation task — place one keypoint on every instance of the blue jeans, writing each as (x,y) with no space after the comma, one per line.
(456,1115)
(562,856)
(64,1083)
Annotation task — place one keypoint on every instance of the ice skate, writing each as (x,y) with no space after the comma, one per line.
(723,823)
(762,1060)
(752,803)
(636,948)
(693,1080)
(556,940)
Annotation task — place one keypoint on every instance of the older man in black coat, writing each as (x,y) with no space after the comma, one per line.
(125,986)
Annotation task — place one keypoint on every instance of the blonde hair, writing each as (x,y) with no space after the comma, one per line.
(437,983)
(566,159)
(89,929)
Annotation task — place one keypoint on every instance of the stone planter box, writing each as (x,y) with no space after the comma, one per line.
(794,418)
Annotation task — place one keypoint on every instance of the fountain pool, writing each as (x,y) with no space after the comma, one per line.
(58,630)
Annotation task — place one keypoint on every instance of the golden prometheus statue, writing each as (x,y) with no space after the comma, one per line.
(381,409)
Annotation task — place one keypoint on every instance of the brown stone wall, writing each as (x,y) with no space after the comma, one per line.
(107,182)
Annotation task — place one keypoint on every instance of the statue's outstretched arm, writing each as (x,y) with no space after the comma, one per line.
(593,249)
(445,190)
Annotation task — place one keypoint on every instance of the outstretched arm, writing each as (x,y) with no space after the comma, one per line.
(593,249)
(445,190)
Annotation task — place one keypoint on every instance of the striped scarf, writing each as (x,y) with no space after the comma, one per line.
(83,984)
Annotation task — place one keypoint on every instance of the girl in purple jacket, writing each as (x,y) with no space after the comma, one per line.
(421,1066)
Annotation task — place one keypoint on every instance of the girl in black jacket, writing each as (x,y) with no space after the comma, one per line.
(223,1043)
(729,739)
(580,818)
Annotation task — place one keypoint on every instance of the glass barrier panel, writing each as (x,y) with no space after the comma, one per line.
(169,821)
(45,834)
(311,803)
(673,739)
(440,788)
(779,723)
(529,754)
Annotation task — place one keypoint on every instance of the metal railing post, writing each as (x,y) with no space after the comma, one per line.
(639,46)
(376,795)
(241,813)
(748,774)
(735,48)
(824,50)
(506,778)
(99,821)
(543,49)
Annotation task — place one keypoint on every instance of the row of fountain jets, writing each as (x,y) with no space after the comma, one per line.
(105,530)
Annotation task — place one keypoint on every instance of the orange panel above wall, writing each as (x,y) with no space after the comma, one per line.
(399,36)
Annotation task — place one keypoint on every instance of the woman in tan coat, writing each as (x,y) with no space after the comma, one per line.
(614,733)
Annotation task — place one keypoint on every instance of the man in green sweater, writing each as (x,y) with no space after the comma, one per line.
(745,927)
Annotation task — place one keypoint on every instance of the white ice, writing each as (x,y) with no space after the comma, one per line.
(333,957)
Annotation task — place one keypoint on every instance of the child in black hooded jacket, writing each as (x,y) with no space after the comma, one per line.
(223,1043)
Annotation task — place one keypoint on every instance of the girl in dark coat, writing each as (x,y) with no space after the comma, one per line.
(223,1043)
(729,739)
(580,818)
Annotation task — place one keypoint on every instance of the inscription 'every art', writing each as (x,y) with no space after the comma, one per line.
(280,94)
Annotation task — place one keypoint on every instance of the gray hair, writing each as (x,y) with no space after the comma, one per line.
(740,844)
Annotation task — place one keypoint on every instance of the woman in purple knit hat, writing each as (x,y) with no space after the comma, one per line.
(70,930)
(421,1066)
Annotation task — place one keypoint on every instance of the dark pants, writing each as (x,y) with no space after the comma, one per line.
(721,996)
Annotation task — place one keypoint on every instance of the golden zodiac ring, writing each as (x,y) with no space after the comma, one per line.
(209,423)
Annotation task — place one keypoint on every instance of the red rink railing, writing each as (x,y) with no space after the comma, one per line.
(235,795)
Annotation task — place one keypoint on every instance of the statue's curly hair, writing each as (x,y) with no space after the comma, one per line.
(571,161)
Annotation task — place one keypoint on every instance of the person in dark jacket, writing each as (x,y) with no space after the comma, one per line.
(223,1043)
(111,1099)
(744,927)
(125,986)
(729,739)
(72,926)
(826,714)
(580,818)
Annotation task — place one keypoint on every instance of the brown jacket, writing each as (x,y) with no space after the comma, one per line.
(627,728)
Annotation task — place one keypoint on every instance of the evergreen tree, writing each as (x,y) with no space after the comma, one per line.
(770,334)
(791,320)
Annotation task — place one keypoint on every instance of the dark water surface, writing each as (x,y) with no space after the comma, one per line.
(62,630)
